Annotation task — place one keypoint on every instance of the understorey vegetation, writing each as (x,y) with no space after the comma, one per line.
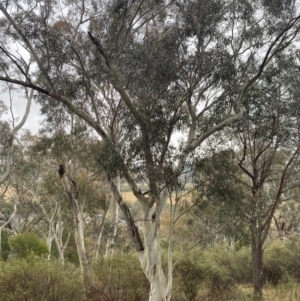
(215,273)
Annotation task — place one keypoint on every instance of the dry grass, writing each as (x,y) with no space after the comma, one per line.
(283,292)
(9,194)
(128,196)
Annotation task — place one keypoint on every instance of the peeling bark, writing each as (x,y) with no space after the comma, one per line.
(149,253)
(150,258)
(132,227)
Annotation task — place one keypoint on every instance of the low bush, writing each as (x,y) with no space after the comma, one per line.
(241,269)
(26,244)
(35,279)
(292,267)
(119,278)
(5,247)
(190,272)
(207,270)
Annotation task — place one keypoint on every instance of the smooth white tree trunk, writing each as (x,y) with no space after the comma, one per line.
(151,260)
(55,231)
(78,219)
(114,216)
(60,245)
(79,239)
(99,239)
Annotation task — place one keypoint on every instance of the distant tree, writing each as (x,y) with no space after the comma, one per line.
(9,134)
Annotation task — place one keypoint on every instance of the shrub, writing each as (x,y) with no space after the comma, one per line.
(293,264)
(276,260)
(208,269)
(220,275)
(220,279)
(119,278)
(36,279)
(190,273)
(26,244)
(241,269)
(5,248)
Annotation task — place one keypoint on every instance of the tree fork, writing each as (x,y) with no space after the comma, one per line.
(132,227)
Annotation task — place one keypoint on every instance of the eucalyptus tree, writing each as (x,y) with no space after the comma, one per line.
(176,66)
(5,150)
(269,155)
(9,133)
(217,214)
(258,172)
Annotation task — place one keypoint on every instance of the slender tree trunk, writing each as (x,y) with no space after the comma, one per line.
(79,238)
(78,218)
(99,239)
(257,265)
(114,215)
(60,245)
(49,240)
(51,232)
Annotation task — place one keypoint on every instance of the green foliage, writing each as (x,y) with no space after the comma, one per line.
(282,262)
(109,159)
(117,278)
(220,275)
(221,270)
(27,244)
(4,138)
(38,279)
(221,173)
(190,272)
(71,254)
(5,247)
(220,195)
(292,266)
(242,266)
(275,262)
(210,269)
